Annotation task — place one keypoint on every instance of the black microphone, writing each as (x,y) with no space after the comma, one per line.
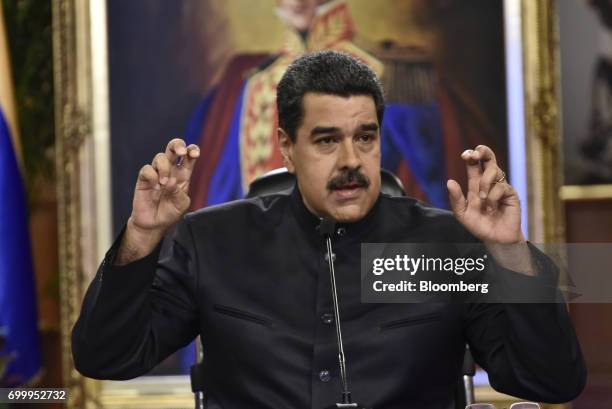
(326,229)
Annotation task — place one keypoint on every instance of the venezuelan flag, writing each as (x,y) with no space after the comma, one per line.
(19,348)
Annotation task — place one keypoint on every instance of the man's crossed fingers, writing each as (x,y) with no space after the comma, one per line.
(171,169)
(487,184)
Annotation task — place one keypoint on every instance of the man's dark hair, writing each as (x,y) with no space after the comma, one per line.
(324,72)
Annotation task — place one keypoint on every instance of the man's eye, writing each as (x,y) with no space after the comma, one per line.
(365,138)
(325,141)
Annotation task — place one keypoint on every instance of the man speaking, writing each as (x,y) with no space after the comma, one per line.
(251,276)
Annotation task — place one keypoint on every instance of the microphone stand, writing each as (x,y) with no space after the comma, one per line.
(469,370)
(326,229)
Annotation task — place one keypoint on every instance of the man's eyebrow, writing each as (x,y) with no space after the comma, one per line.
(321,130)
(372,126)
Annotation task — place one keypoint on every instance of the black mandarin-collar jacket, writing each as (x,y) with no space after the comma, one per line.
(251,277)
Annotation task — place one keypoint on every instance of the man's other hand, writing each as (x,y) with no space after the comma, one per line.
(161,197)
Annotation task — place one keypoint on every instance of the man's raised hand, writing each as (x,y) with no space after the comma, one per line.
(491,211)
(161,193)
(161,197)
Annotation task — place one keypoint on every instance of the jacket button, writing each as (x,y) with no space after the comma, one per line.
(341,231)
(327,318)
(327,257)
(324,376)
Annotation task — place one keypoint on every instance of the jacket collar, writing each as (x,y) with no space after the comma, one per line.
(343,231)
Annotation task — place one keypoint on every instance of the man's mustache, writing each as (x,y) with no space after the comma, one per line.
(351,176)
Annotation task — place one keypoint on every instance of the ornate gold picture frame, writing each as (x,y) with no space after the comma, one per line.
(83,163)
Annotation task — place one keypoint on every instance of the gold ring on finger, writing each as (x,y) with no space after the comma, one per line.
(502,178)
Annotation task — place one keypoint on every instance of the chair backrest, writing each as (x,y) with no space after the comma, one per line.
(280,179)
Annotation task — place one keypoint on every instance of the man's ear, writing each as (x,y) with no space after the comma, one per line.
(286,148)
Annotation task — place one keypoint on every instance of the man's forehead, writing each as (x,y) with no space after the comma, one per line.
(333,108)
(318,96)
(361,127)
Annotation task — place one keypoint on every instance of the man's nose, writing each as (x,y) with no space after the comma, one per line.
(348,156)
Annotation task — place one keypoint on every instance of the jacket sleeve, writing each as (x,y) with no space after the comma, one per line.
(133,316)
(529,350)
